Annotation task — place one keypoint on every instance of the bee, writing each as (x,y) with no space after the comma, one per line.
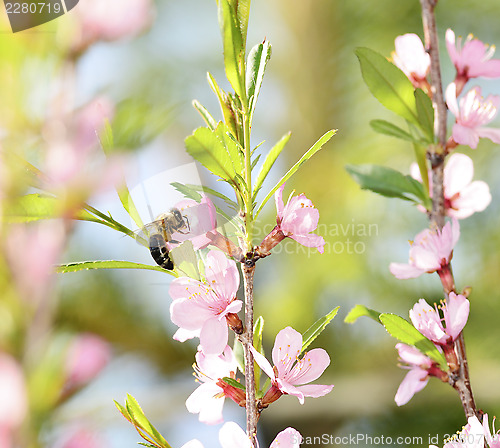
(159,232)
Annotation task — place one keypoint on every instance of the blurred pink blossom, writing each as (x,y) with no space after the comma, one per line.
(202,218)
(472,112)
(208,399)
(82,438)
(13,398)
(88,354)
(472,59)
(232,436)
(428,321)
(111,19)
(43,241)
(290,374)
(410,56)
(431,251)
(462,196)
(209,306)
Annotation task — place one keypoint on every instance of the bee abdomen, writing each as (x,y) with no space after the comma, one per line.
(159,252)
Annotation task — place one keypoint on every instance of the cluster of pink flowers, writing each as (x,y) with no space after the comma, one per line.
(428,321)
(472,59)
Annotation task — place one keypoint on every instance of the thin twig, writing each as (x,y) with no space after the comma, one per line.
(251,408)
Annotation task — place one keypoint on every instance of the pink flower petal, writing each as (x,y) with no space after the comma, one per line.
(489,133)
(195,443)
(263,363)
(309,368)
(315,390)
(182,287)
(311,240)
(232,436)
(287,346)
(474,198)
(278,197)
(456,314)
(182,335)
(414,381)
(458,174)
(222,274)
(411,56)
(288,438)
(213,336)
(465,136)
(450,45)
(451,99)
(189,314)
(404,271)
(412,356)
(203,402)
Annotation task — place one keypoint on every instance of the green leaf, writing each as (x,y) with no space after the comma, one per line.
(387,182)
(425,113)
(226,105)
(406,333)
(359,311)
(234,50)
(192,191)
(107,264)
(137,414)
(239,355)
(232,147)
(421,157)
(205,146)
(243,14)
(256,67)
(271,158)
(313,150)
(388,84)
(205,114)
(387,128)
(233,382)
(258,328)
(317,328)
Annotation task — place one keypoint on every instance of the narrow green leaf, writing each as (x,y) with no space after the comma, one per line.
(232,147)
(205,146)
(185,261)
(106,264)
(256,67)
(123,411)
(192,191)
(205,114)
(233,382)
(388,84)
(317,328)
(421,157)
(258,329)
(147,444)
(234,51)
(313,150)
(271,158)
(406,333)
(359,311)
(387,128)
(387,182)
(425,113)
(135,411)
(243,14)
(239,355)
(225,103)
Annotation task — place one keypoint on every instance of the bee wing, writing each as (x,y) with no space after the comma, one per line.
(142,235)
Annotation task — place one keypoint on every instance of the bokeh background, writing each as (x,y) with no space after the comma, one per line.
(313,84)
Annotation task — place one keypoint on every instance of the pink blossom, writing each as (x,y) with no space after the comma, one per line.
(297,219)
(111,19)
(416,378)
(462,196)
(431,251)
(232,436)
(291,373)
(492,438)
(410,56)
(472,114)
(13,396)
(428,321)
(471,436)
(202,218)
(208,399)
(208,306)
(472,59)
(44,242)
(87,356)
(82,438)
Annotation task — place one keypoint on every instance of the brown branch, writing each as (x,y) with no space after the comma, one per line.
(251,405)
(436,155)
